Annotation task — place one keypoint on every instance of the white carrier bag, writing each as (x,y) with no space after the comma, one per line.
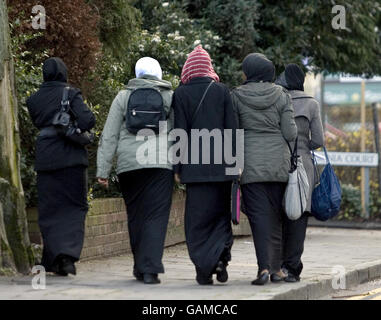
(297,190)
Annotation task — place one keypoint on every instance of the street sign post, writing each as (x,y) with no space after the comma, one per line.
(365,213)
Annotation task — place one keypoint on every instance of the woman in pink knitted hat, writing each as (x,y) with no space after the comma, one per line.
(202,102)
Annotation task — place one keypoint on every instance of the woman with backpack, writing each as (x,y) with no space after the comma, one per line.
(264,111)
(202,102)
(310,137)
(146,184)
(61,166)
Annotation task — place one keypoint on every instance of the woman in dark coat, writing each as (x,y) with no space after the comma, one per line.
(61,167)
(207,210)
(310,137)
(264,111)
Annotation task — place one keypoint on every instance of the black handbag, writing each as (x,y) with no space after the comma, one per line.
(66,126)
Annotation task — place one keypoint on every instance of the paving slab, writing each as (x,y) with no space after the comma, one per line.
(357,252)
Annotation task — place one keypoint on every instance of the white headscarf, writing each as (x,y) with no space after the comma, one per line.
(148,66)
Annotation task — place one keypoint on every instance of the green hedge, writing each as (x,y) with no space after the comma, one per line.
(351,203)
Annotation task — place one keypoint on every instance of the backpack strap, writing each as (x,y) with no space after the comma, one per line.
(201,101)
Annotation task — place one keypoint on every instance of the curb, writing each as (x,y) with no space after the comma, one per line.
(317,288)
(312,222)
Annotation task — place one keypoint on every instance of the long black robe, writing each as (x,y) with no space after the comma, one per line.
(148,197)
(208,228)
(62,209)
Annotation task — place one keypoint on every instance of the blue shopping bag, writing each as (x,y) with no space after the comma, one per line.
(326,197)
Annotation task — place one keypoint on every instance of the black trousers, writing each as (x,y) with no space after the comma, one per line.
(294,234)
(148,197)
(263,204)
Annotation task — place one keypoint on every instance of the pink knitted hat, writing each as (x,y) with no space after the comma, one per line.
(198,64)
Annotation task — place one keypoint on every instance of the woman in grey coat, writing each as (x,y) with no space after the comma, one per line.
(146,185)
(264,111)
(310,137)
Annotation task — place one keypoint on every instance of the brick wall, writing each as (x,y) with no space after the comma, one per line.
(106,231)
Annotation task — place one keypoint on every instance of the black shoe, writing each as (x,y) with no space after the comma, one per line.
(277,278)
(261,279)
(61,273)
(67,266)
(139,276)
(292,278)
(204,281)
(151,278)
(55,268)
(222,274)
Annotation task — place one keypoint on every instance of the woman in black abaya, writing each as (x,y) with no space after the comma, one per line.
(208,188)
(61,169)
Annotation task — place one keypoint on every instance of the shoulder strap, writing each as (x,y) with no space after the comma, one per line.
(126,101)
(201,101)
(304,97)
(295,146)
(294,154)
(326,155)
(65,102)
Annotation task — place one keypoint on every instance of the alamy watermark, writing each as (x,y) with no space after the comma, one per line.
(339,20)
(338,280)
(39,18)
(39,278)
(227,144)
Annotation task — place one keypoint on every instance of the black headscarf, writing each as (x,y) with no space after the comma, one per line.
(281,80)
(294,76)
(54,69)
(258,68)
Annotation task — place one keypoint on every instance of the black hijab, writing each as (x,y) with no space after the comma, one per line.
(294,76)
(258,68)
(281,80)
(54,69)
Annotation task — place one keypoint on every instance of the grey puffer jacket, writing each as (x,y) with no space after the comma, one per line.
(265,112)
(116,139)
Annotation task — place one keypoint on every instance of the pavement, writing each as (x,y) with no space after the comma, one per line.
(354,253)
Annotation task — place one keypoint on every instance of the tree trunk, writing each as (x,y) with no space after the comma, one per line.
(15,249)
